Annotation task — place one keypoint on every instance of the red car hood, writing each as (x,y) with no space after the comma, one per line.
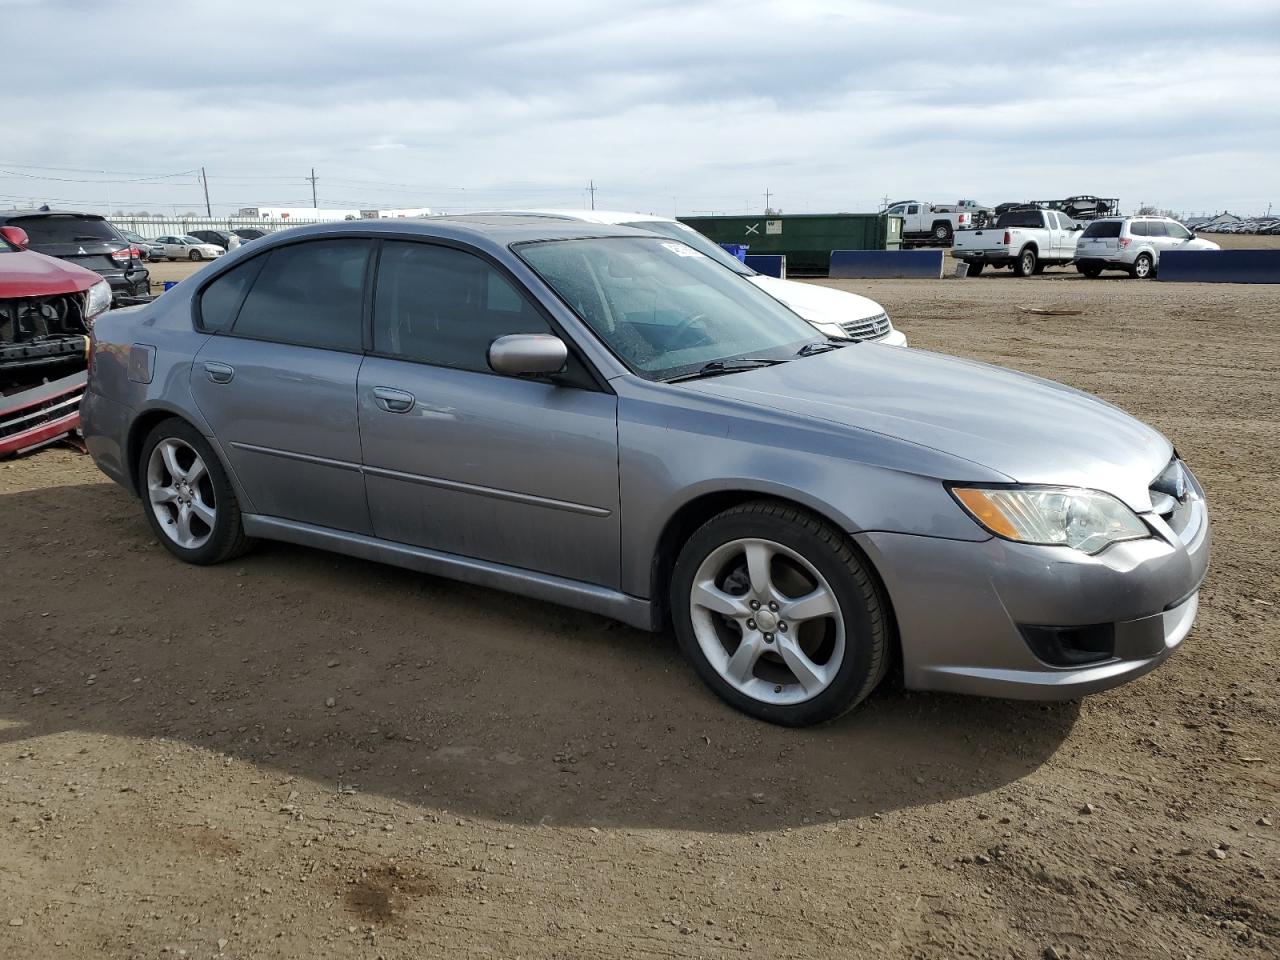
(25,273)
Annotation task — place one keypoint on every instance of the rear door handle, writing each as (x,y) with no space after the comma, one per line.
(392,400)
(219,372)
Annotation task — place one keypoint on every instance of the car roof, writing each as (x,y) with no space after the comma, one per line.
(486,229)
(613,217)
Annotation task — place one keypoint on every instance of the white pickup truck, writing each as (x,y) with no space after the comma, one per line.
(934,222)
(1027,240)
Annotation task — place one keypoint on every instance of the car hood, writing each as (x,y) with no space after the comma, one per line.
(1028,429)
(25,273)
(818,304)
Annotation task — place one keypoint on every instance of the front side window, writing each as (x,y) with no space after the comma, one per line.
(309,294)
(1177,230)
(663,308)
(443,306)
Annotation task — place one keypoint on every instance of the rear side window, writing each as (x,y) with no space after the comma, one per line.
(445,307)
(1140,228)
(69,229)
(1102,230)
(221,300)
(309,294)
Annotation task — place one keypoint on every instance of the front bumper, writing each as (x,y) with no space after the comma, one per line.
(40,415)
(962,606)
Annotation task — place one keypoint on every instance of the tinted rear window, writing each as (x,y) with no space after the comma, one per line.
(1020,218)
(1102,229)
(221,300)
(58,229)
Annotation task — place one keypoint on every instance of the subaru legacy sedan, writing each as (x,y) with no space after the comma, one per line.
(606,418)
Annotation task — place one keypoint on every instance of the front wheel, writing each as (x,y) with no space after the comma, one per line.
(187,497)
(1025,265)
(195,255)
(779,614)
(1142,267)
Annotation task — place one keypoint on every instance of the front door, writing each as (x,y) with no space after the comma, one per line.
(277,381)
(462,460)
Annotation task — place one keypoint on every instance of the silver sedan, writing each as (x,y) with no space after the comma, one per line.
(607,418)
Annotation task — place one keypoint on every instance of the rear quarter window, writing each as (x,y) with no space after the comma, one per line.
(221,300)
(1102,230)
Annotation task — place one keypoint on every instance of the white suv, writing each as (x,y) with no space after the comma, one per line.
(1133,244)
(835,313)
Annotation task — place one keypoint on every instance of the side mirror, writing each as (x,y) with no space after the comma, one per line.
(1078,226)
(528,355)
(17,236)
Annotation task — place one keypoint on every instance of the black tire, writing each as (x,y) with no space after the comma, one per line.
(1091,272)
(864,610)
(195,255)
(975,268)
(1040,265)
(1026,263)
(227,538)
(941,232)
(1143,268)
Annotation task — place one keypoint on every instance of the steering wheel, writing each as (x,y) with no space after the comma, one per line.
(682,326)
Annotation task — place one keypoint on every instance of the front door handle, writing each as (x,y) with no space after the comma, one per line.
(219,372)
(392,400)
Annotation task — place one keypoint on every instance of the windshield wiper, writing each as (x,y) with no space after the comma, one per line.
(820,346)
(718,367)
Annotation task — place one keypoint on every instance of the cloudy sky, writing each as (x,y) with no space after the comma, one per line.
(693,106)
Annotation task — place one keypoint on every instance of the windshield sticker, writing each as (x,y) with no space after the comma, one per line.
(680,250)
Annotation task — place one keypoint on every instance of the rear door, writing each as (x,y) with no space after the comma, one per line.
(459,459)
(277,380)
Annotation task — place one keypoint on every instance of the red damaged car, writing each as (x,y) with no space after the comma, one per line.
(46,309)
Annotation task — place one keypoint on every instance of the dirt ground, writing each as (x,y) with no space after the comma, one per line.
(302,755)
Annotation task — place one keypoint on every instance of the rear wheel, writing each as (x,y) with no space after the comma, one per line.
(942,232)
(1091,272)
(195,255)
(975,267)
(779,615)
(1142,267)
(1026,263)
(187,497)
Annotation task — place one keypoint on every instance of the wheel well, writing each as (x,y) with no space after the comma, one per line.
(698,511)
(941,223)
(137,435)
(1032,247)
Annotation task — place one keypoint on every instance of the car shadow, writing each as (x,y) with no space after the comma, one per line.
(452,697)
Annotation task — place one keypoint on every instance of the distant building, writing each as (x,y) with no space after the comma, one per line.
(298,213)
(395,214)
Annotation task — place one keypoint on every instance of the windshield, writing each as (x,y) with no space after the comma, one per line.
(704,245)
(664,308)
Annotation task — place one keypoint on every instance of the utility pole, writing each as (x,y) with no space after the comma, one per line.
(312,178)
(767,195)
(208,210)
(591,189)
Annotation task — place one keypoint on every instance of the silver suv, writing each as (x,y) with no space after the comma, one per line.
(1133,244)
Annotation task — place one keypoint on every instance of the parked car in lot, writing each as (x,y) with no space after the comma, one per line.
(142,244)
(184,248)
(935,222)
(249,233)
(1133,244)
(836,313)
(609,419)
(89,241)
(1027,239)
(225,239)
(46,307)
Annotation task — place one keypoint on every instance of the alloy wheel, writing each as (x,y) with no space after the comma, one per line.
(181,493)
(767,621)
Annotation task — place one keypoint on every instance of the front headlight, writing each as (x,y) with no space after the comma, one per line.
(99,299)
(832,330)
(1087,520)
